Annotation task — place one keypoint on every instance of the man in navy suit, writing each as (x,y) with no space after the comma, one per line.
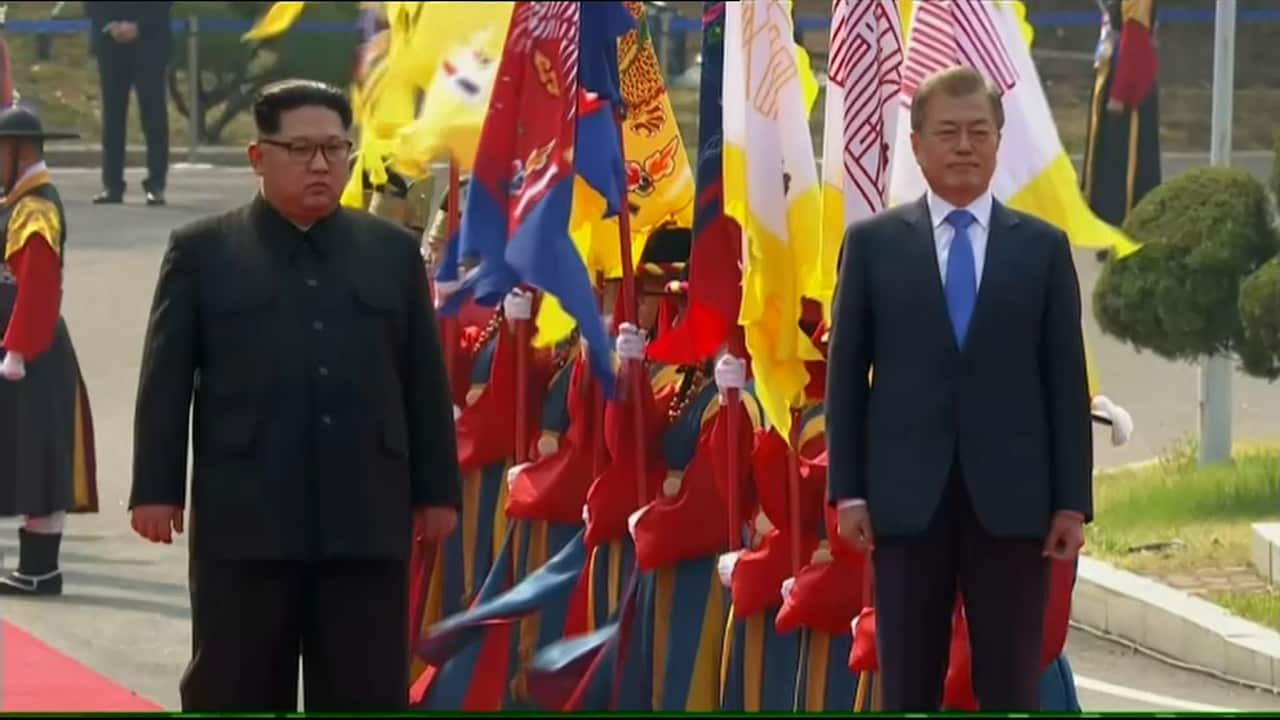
(958,410)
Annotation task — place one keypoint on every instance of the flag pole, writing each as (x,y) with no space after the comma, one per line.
(452,224)
(630,313)
(793,490)
(733,397)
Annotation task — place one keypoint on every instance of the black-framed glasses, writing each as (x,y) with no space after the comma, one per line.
(301,151)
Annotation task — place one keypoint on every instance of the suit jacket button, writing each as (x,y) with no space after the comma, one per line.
(326,419)
(317,325)
(311,282)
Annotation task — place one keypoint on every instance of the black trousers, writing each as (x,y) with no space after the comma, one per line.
(1003,582)
(251,621)
(121,68)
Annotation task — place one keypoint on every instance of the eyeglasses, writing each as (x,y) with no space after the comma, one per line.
(303,152)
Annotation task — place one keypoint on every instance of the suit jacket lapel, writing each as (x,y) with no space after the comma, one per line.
(1001,244)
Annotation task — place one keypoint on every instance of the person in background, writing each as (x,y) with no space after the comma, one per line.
(1122,139)
(44,411)
(323,429)
(133,44)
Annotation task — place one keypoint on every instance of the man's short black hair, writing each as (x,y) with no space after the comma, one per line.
(280,97)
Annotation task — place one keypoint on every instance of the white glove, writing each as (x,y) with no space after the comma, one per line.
(518,305)
(13,367)
(634,519)
(513,472)
(444,289)
(787,586)
(1121,420)
(586,514)
(457,412)
(731,373)
(548,444)
(630,343)
(725,565)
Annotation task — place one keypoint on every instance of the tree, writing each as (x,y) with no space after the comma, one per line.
(233,71)
(1203,233)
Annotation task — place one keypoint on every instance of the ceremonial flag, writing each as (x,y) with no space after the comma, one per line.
(516,220)
(773,194)
(659,180)
(715,275)
(1033,172)
(453,107)
(864,78)
(278,18)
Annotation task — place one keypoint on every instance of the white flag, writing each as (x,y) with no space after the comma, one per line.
(1033,171)
(771,189)
(864,79)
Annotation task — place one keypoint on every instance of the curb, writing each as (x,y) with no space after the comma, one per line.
(1264,551)
(1173,624)
(81,155)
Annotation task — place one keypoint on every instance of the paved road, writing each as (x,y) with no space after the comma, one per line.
(125,613)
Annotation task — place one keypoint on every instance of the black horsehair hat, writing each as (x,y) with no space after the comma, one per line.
(20,123)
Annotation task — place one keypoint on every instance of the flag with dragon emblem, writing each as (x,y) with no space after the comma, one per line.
(659,178)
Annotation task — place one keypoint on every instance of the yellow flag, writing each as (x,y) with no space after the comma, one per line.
(457,99)
(772,191)
(278,18)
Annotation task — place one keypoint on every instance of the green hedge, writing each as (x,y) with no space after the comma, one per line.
(1260,316)
(1179,296)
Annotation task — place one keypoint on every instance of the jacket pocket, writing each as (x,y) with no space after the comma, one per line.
(374,298)
(395,440)
(227,434)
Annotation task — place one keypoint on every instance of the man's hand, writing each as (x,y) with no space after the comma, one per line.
(1115,107)
(154,522)
(433,524)
(854,525)
(124,32)
(1066,536)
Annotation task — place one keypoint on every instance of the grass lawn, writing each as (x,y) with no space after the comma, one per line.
(1176,520)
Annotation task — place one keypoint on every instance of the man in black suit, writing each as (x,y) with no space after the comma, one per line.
(133,44)
(958,410)
(323,429)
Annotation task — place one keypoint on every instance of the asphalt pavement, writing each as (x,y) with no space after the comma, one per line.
(125,612)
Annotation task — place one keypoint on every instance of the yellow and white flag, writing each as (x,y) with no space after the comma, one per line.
(1033,171)
(275,21)
(773,193)
(451,114)
(864,79)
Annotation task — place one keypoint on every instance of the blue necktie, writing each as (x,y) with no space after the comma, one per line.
(961,284)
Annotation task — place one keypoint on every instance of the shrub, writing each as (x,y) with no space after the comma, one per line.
(1179,296)
(1260,317)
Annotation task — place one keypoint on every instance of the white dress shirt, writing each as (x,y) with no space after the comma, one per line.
(943,234)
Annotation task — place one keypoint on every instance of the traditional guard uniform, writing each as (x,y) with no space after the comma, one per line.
(47,458)
(539,587)
(771,641)
(1122,151)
